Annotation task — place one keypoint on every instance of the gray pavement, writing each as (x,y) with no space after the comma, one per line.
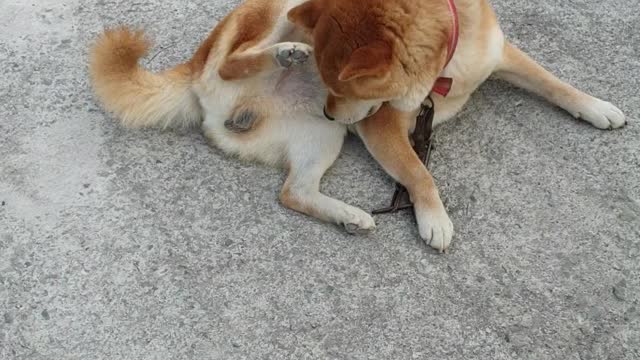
(119,244)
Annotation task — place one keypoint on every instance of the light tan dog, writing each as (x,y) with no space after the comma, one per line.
(376,52)
(255,90)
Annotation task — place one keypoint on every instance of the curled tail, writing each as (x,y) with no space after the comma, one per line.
(138,97)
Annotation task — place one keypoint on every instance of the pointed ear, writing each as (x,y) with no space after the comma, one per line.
(372,60)
(306,15)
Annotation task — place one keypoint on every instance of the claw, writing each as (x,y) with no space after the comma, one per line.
(351,228)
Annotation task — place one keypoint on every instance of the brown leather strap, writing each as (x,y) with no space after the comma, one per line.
(422,145)
(424,131)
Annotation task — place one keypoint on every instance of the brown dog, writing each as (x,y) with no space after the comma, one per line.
(253,88)
(256,92)
(389,53)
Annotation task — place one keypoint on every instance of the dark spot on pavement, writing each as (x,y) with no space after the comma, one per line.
(8,319)
(620,290)
(45,314)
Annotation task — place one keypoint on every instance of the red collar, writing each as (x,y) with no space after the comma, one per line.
(443,84)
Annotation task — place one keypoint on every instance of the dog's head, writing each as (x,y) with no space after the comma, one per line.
(371,52)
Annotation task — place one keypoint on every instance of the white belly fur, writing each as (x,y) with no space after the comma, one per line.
(290,107)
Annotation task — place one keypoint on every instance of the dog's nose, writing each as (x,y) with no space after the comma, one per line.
(327,115)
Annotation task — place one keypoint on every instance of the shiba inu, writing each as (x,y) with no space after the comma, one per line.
(258,90)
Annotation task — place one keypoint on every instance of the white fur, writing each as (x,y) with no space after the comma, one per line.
(599,113)
(295,133)
(435,227)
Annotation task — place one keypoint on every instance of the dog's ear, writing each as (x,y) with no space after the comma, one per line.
(372,60)
(306,15)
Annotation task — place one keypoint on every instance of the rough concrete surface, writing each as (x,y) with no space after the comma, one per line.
(119,244)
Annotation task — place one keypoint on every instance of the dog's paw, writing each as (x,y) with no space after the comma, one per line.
(436,229)
(290,53)
(601,114)
(242,122)
(356,221)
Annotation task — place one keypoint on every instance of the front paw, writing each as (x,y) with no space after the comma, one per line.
(288,54)
(436,229)
(601,114)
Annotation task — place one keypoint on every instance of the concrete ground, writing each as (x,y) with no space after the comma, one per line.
(118,244)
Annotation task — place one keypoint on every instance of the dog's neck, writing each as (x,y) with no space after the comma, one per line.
(443,84)
(425,60)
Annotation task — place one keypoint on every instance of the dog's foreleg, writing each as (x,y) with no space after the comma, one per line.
(386,135)
(520,70)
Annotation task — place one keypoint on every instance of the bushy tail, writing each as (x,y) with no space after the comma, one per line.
(138,97)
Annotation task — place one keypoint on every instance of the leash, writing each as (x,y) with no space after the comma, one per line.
(423,145)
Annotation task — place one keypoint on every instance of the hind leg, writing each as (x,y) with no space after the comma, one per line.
(310,154)
(522,71)
(254,61)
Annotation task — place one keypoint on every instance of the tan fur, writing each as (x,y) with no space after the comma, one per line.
(387,47)
(379,60)
(385,135)
(140,98)
(201,56)
(258,18)
(391,52)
